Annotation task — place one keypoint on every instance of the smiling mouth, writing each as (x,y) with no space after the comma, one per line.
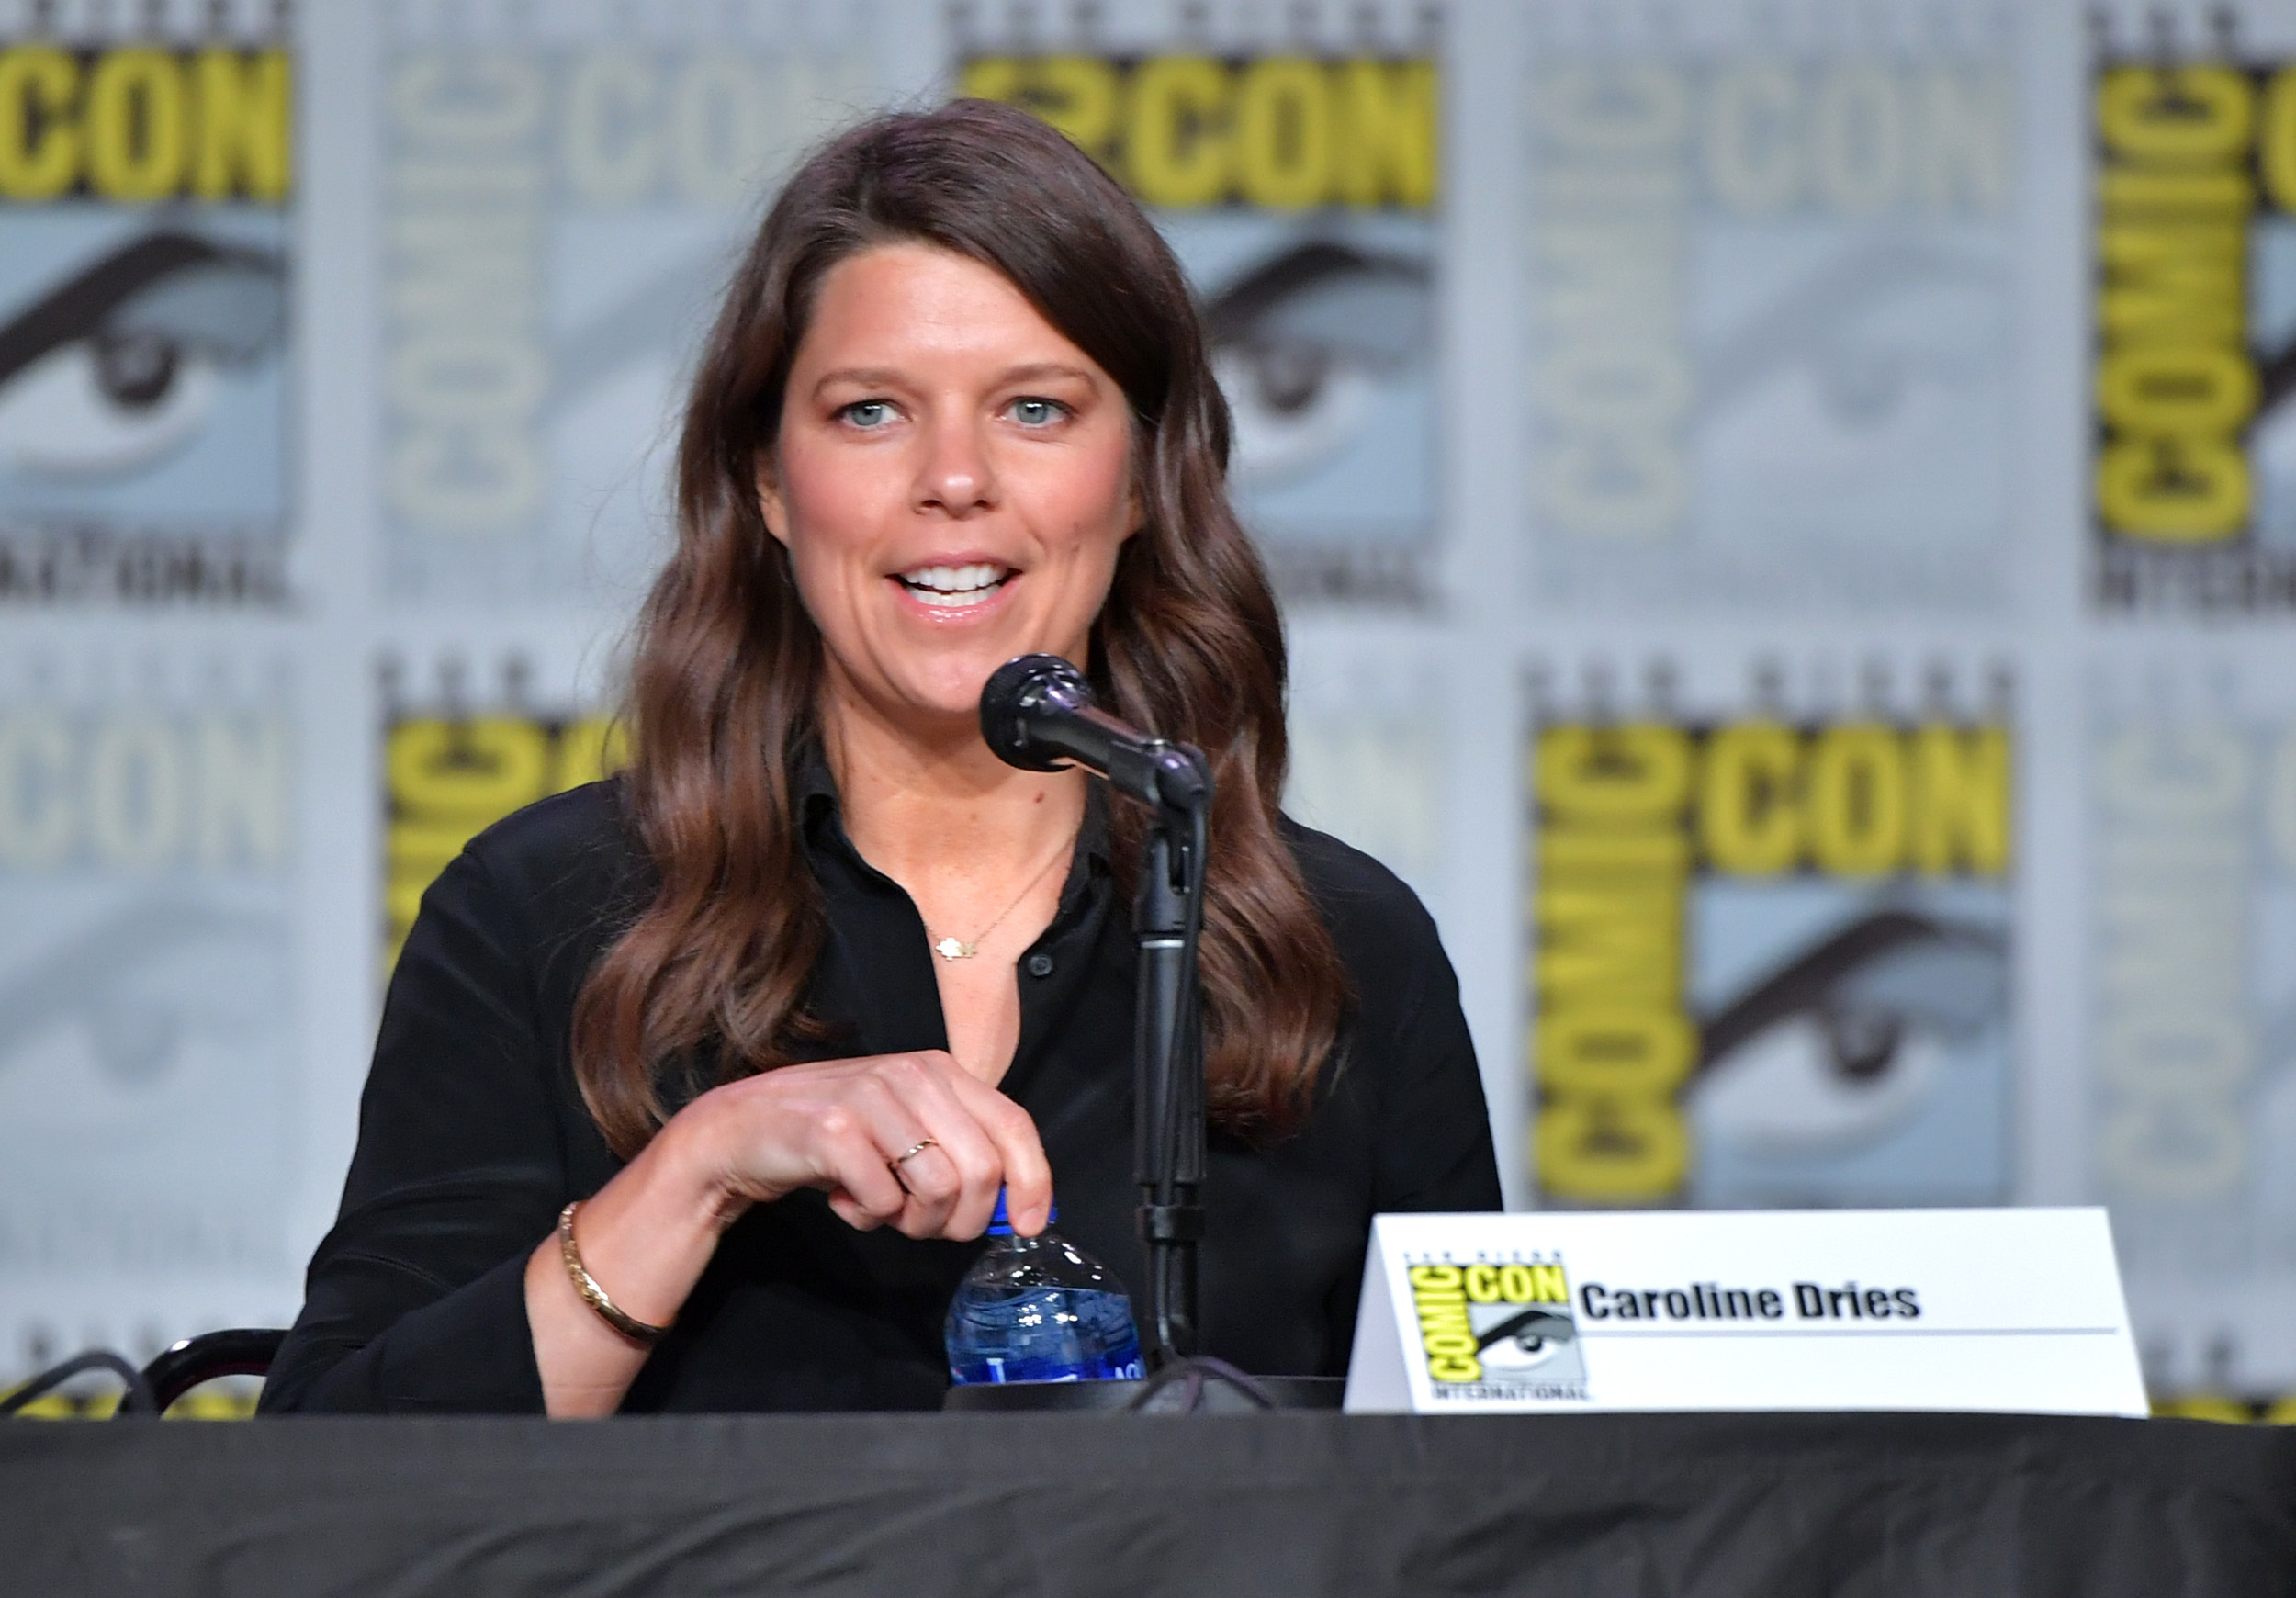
(955,587)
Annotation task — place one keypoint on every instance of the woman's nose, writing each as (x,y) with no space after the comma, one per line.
(955,478)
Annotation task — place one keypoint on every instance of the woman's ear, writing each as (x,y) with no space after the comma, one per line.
(770,503)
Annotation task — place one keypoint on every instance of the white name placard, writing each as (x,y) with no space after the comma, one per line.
(2004,1309)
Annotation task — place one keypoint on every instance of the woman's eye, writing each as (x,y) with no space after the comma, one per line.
(869,412)
(1038,412)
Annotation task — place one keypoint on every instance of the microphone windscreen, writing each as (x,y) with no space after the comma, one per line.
(1024,686)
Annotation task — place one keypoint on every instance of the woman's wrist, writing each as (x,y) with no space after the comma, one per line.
(646,1236)
(695,1152)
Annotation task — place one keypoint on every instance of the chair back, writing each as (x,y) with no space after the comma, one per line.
(241,1351)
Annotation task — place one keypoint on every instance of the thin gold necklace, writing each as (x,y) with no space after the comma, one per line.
(953,950)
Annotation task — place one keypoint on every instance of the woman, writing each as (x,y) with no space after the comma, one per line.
(779,1010)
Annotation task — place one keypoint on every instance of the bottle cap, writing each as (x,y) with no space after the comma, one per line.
(1000,1225)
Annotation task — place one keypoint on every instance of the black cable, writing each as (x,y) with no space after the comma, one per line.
(1196,1372)
(136,1401)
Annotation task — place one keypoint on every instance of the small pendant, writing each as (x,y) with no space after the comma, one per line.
(950,949)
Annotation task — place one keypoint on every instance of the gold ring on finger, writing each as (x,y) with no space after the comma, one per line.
(893,1165)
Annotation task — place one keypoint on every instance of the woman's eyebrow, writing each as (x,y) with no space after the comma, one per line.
(887,377)
(1042,369)
(859,376)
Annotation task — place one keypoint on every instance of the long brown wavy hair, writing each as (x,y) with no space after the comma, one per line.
(727,665)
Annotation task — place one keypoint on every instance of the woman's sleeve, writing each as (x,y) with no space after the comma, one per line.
(416,1301)
(1434,1148)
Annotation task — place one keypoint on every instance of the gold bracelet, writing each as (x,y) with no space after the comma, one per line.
(593,1294)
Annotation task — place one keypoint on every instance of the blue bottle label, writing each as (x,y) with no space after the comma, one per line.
(1058,1335)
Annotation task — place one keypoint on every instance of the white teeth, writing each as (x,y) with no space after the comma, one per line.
(953,579)
(955,585)
(954,601)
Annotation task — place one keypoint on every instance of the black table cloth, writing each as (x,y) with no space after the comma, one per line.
(1764,1506)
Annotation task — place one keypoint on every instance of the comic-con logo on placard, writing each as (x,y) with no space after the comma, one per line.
(143,321)
(1498,1328)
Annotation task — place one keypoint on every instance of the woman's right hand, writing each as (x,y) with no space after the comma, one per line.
(841,1126)
(648,1235)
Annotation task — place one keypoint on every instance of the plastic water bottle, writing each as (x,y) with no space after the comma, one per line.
(1040,1309)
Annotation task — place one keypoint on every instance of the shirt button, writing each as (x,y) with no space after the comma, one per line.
(1039,965)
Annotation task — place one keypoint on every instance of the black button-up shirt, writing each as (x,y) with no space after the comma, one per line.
(472,1136)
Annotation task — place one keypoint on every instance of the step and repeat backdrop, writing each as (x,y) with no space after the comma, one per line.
(1786,513)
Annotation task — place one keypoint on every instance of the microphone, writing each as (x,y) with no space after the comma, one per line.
(1036,713)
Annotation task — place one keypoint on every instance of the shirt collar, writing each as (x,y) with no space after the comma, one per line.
(811,784)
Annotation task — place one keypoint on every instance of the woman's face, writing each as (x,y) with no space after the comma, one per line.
(952,479)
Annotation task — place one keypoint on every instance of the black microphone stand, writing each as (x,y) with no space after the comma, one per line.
(1168,1050)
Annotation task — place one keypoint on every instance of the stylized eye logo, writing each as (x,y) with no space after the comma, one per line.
(1521,1341)
(1836,1047)
(115,369)
(1857,325)
(1301,344)
(126,982)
